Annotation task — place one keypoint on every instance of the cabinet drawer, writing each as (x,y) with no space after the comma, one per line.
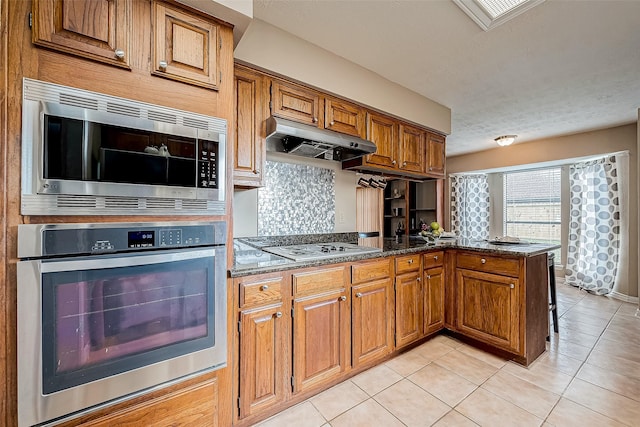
(489,264)
(318,281)
(368,271)
(407,263)
(432,259)
(260,292)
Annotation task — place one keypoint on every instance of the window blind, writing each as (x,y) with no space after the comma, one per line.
(532,205)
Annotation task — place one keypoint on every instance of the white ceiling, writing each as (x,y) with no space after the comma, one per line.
(563,67)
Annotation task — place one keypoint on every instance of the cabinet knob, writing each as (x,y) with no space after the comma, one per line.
(163,65)
(359,295)
(404,163)
(332,123)
(428,276)
(511,285)
(264,287)
(483,261)
(343,298)
(315,120)
(256,171)
(278,314)
(430,168)
(119,53)
(419,279)
(393,162)
(435,257)
(410,261)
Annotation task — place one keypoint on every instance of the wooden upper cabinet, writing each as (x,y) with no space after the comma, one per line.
(185,47)
(344,117)
(435,155)
(412,149)
(251,95)
(382,131)
(295,102)
(93,29)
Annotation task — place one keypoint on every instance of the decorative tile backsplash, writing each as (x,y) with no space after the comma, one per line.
(296,199)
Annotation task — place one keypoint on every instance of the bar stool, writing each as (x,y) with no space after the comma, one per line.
(553,308)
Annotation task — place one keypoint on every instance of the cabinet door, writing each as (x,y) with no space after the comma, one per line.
(93,29)
(412,149)
(408,307)
(185,47)
(295,103)
(320,339)
(344,117)
(435,155)
(371,321)
(262,381)
(382,131)
(250,99)
(192,406)
(488,308)
(433,300)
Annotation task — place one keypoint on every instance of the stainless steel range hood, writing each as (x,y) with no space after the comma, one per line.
(286,136)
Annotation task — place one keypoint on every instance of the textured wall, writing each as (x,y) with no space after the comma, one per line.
(296,199)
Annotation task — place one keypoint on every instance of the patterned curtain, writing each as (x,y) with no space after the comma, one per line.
(594,226)
(470,206)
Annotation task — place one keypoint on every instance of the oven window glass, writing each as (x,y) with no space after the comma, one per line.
(88,151)
(98,323)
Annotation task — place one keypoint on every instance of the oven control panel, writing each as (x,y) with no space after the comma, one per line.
(70,239)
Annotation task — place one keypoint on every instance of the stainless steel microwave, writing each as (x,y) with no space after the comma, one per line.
(87,153)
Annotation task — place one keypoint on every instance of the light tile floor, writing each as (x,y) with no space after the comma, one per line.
(589,376)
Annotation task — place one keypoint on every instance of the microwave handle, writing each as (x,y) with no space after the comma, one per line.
(101,262)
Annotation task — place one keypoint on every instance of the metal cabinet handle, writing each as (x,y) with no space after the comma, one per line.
(359,295)
(419,279)
(315,120)
(404,163)
(332,123)
(483,261)
(264,287)
(343,298)
(256,171)
(119,53)
(410,261)
(435,257)
(278,314)
(428,276)
(430,168)
(511,285)
(163,65)
(393,162)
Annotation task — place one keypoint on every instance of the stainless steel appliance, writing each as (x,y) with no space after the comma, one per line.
(88,153)
(109,310)
(314,251)
(303,140)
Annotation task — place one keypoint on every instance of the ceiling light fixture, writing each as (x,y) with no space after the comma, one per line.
(505,140)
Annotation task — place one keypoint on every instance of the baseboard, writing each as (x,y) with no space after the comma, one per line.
(623,297)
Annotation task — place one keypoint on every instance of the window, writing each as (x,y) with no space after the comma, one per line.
(532,206)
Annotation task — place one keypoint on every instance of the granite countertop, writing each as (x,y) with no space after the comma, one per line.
(248,258)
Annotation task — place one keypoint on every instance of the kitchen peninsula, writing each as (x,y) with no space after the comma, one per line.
(320,321)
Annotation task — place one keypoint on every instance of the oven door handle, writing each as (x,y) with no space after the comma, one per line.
(101,262)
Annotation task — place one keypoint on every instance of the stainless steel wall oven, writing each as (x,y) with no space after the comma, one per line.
(88,153)
(109,310)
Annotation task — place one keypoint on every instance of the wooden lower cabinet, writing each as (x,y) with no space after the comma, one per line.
(488,308)
(408,307)
(261,358)
(320,339)
(371,321)
(196,405)
(433,300)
